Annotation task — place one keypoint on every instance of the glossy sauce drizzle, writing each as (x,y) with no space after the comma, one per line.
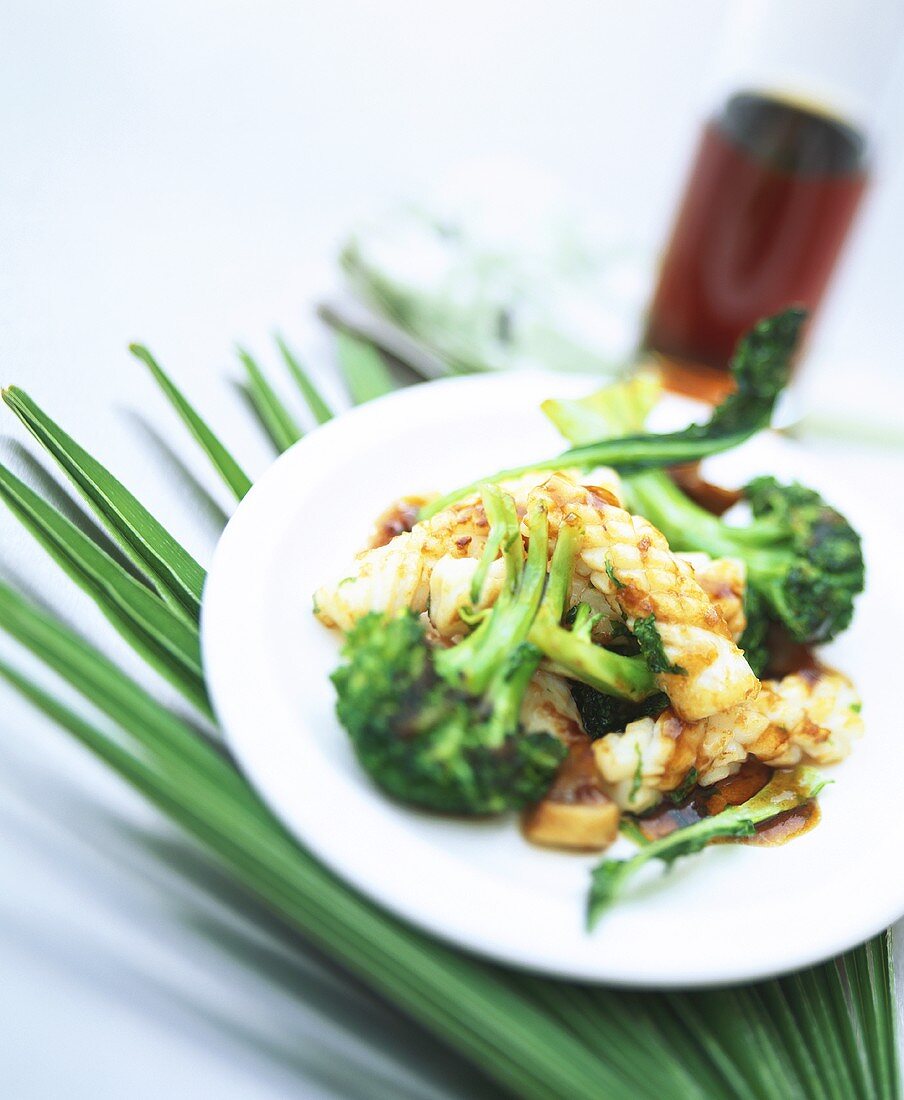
(714,498)
(400,516)
(704,802)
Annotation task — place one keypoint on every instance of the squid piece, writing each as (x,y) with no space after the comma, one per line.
(810,717)
(629,562)
(724,581)
(395,574)
(450,593)
(818,711)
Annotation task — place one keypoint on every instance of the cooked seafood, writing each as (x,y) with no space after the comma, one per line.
(809,718)
(536,642)
(627,560)
(396,574)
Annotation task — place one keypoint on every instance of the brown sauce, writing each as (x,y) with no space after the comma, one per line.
(700,382)
(704,802)
(714,498)
(786,826)
(787,656)
(400,516)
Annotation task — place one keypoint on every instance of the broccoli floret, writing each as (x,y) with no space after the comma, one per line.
(804,560)
(755,639)
(439,728)
(816,568)
(433,745)
(759,367)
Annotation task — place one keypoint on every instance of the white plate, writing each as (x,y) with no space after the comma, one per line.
(731,913)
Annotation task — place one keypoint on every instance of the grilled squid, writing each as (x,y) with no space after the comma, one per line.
(629,562)
(396,574)
(807,717)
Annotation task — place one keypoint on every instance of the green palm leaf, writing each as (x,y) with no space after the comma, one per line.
(320,409)
(363,368)
(174,572)
(101,681)
(277,420)
(235,478)
(463,1000)
(158,634)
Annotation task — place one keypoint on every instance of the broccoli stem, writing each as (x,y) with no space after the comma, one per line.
(475,661)
(506,693)
(561,569)
(637,451)
(504,535)
(687,526)
(576,655)
(785,791)
(760,368)
(608,672)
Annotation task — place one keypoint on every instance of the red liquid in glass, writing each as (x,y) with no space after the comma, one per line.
(768,205)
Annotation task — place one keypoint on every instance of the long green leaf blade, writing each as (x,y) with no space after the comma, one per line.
(276,418)
(812,1015)
(737,1040)
(872,983)
(618,1027)
(464,1002)
(826,987)
(235,478)
(887,1011)
(105,686)
(175,573)
(320,409)
(774,1006)
(366,374)
(158,634)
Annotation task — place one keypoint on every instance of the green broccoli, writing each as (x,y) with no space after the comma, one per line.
(430,744)
(804,560)
(573,651)
(755,639)
(603,713)
(782,793)
(439,728)
(760,368)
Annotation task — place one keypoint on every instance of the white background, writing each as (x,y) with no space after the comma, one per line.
(179,173)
